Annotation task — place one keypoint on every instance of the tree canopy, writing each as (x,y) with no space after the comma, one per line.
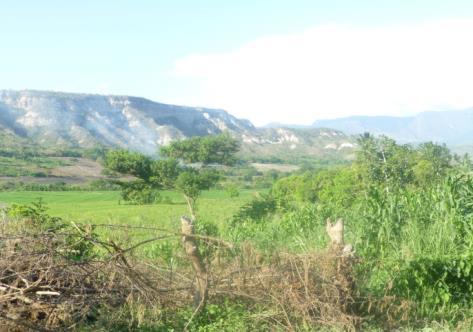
(207,150)
(177,170)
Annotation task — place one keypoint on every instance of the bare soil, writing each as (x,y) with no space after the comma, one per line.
(78,168)
(276,167)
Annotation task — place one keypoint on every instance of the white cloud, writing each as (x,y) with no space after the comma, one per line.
(333,71)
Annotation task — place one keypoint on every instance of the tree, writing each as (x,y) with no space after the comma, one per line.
(206,150)
(189,167)
(433,162)
(383,162)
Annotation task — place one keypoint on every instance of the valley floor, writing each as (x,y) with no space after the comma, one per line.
(105,206)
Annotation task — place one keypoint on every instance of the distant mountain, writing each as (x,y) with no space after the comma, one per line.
(296,145)
(85,120)
(451,127)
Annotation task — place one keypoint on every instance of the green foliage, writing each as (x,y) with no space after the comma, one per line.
(165,172)
(96,185)
(139,192)
(25,165)
(36,215)
(103,185)
(383,162)
(408,212)
(232,190)
(35,219)
(435,283)
(433,162)
(293,190)
(191,182)
(218,149)
(95,153)
(127,162)
(335,187)
(255,210)
(152,175)
(169,173)
(225,317)
(301,221)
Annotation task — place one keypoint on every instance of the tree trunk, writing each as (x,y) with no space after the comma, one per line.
(192,251)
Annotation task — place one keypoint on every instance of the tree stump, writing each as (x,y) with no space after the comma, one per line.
(192,252)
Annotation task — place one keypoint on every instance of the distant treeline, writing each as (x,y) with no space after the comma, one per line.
(97,185)
(26,153)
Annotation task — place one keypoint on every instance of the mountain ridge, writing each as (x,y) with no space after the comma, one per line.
(124,121)
(135,123)
(453,127)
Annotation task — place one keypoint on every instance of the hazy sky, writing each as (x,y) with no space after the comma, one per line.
(288,61)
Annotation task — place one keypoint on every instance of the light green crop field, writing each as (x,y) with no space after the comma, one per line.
(103,207)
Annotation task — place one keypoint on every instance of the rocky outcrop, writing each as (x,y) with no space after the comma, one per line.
(84,120)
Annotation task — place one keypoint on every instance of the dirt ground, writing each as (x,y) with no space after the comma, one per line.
(79,168)
(276,167)
(77,171)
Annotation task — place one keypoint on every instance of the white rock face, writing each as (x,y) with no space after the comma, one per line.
(128,122)
(346,146)
(84,120)
(331,146)
(287,136)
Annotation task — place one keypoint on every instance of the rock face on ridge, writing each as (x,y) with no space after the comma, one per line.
(129,122)
(45,118)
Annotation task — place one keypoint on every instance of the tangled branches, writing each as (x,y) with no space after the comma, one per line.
(58,277)
(43,285)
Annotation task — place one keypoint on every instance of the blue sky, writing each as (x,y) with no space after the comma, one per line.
(205,52)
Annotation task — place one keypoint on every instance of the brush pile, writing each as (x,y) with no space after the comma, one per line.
(55,276)
(44,286)
(312,289)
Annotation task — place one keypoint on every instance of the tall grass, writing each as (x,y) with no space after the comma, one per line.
(414,244)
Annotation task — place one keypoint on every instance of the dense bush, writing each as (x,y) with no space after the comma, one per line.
(408,212)
(137,192)
(34,219)
(256,209)
(435,283)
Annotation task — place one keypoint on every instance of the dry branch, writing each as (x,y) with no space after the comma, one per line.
(192,251)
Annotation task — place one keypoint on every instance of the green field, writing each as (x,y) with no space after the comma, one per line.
(104,207)
(407,264)
(31,166)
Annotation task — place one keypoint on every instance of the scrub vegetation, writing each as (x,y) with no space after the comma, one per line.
(186,242)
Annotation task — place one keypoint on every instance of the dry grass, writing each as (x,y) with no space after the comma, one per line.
(78,167)
(42,288)
(311,289)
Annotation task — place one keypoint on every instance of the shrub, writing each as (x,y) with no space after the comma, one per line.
(434,283)
(137,192)
(255,210)
(232,191)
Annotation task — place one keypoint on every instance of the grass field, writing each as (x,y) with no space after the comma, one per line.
(11,166)
(103,207)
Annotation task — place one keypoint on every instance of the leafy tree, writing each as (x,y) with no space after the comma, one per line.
(383,162)
(188,167)
(207,150)
(337,187)
(132,163)
(433,163)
